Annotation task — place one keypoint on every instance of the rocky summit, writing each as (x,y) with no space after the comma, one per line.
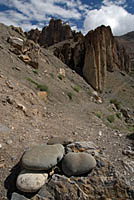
(67,114)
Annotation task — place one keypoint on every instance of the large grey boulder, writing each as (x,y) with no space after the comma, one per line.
(29,181)
(77,163)
(42,157)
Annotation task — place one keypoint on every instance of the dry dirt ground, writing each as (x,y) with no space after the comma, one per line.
(27,120)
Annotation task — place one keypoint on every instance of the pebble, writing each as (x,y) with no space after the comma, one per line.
(43,157)
(100,133)
(0,146)
(77,163)
(28,181)
(9,142)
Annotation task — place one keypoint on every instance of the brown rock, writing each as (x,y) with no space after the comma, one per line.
(54,33)
(42,95)
(30,52)
(33,34)
(16,42)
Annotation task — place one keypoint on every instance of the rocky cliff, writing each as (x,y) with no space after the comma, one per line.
(91,55)
(54,33)
(102,54)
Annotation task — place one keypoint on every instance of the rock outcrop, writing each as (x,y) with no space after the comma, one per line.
(91,55)
(54,33)
(33,34)
(27,50)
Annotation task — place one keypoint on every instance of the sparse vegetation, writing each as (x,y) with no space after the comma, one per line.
(111,118)
(131,128)
(38,86)
(116,103)
(60,76)
(42,87)
(119,115)
(76,88)
(35,71)
(99,114)
(52,75)
(89,92)
(70,95)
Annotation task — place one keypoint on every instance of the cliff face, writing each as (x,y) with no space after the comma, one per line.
(91,55)
(54,33)
(34,35)
(95,54)
(102,54)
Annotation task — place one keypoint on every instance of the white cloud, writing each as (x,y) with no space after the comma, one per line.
(36,13)
(111,14)
(23,13)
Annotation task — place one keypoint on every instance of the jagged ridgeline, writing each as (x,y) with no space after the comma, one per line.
(91,55)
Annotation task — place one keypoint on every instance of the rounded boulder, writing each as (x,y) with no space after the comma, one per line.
(77,163)
(42,157)
(28,181)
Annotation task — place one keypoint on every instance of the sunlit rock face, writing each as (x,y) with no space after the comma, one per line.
(91,55)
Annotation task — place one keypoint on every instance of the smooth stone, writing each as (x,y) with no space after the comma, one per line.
(77,163)
(42,157)
(16,196)
(59,140)
(29,181)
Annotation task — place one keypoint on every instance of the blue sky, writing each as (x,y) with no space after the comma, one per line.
(83,15)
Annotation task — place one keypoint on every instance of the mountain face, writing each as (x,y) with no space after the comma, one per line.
(91,55)
(127,41)
(44,102)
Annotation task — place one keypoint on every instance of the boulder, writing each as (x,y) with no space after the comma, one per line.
(16,196)
(77,163)
(29,181)
(32,50)
(16,42)
(42,157)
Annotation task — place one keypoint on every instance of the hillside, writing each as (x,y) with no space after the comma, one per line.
(128,41)
(43,98)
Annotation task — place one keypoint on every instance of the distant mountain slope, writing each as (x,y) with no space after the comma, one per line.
(128,41)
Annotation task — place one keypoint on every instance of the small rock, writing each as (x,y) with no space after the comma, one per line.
(28,181)
(100,133)
(10,99)
(9,142)
(21,107)
(16,196)
(0,146)
(59,140)
(82,146)
(42,95)
(62,72)
(42,157)
(128,152)
(77,163)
